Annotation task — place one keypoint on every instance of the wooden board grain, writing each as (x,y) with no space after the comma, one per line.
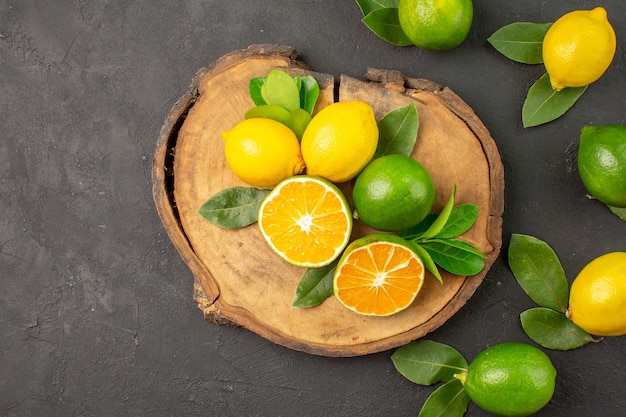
(239,280)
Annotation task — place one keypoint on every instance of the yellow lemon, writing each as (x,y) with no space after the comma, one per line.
(578,48)
(597,301)
(262,152)
(340,140)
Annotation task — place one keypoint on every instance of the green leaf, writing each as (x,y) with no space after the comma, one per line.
(397,131)
(553,330)
(426,362)
(442,219)
(255,91)
(281,89)
(539,272)
(429,264)
(233,208)
(543,104)
(385,24)
(618,211)
(455,256)
(368,6)
(297,121)
(461,219)
(268,111)
(315,286)
(521,42)
(309,93)
(416,232)
(449,400)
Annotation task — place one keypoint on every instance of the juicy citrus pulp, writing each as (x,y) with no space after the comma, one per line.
(340,140)
(511,379)
(393,193)
(597,301)
(306,220)
(378,275)
(262,152)
(578,48)
(602,162)
(436,24)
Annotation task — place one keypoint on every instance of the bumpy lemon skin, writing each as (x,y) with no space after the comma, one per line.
(262,152)
(597,300)
(578,48)
(340,140)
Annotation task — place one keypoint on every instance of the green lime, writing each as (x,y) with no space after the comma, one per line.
(511,379)
(393,193)
(436,24)
(602,163)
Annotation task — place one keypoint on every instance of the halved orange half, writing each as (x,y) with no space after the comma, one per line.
(306,220)
(378,275)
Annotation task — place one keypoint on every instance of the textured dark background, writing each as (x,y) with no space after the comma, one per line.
(96,309)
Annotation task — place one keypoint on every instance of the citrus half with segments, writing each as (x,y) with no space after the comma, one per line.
(306,220)
(378,275)
(597,301)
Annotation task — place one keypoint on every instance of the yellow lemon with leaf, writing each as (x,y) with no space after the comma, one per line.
(578,48)
(597,300)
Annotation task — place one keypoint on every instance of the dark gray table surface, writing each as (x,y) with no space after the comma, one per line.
(96,309)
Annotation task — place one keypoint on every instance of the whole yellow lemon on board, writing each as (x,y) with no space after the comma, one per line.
(578,48)
(262,152)
(597,301)
(340,140)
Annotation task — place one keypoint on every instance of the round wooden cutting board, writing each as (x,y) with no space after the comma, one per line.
(239,281)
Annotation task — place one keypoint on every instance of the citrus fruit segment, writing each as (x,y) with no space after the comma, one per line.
(378,275)
(306,220)
(436,24)
(602,163)
(597,300)
(340,140)
(262,152)
(393,193)
(578,48)
(511,379)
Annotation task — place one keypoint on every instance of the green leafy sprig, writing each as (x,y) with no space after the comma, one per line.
(540,274)
(286,99)
(426,362)
(522,42)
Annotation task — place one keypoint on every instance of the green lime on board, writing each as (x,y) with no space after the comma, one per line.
(393,192)
(436,24)
(602,163)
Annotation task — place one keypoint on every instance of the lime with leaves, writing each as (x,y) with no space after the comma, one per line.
(511,379)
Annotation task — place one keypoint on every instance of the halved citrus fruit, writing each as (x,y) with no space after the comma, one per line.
(306,220)
(378,275)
